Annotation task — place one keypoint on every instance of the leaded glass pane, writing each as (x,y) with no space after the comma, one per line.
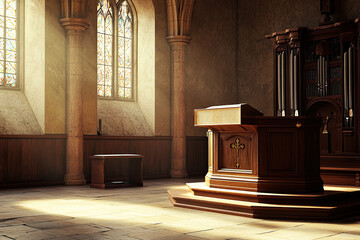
(10,80)
(100,90)
(108,50)
(104,48)
(128,78)
(11,56)
(108,73)
(100,25)
(125,64)
(10,8)
(11,33)
(107,91)
(128,27)
(121,52)
(128,53)
(11,23)
(10,67)
(2,7)
(8,43)
(121,77)
(122,93)
(108,25)
(100,75)
(128,93)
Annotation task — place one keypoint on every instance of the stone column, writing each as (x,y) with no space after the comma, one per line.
(75,29)
(178,147)
(179,19)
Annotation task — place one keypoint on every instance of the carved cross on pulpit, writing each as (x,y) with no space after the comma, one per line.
(237,146)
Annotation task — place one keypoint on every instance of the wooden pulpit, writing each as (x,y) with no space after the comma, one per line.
(264,167)
(248,151)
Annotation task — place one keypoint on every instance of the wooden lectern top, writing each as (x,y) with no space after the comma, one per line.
(224,114)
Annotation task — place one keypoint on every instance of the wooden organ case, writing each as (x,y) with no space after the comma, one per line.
(316,73)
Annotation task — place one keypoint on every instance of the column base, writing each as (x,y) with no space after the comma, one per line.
(74,180)
(178,173)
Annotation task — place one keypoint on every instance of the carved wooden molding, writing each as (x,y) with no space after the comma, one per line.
(280,40)
(179,17)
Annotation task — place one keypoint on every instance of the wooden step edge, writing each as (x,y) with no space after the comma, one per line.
(181,197)
(281,198)
(275,212)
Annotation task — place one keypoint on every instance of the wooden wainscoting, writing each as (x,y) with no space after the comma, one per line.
(340,169)
(156,152)
(197,156)
(38,160)
(32,160)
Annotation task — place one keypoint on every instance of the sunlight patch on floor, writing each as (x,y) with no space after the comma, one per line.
(96,209)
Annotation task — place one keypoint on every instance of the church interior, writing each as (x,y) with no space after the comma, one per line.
(81,78)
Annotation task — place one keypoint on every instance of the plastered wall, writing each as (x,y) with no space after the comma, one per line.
(55,71)
(211,59)
(89,70)
(257,18)
(162,71)
(34,58)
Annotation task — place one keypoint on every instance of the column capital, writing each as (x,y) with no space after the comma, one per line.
(75,25)
(178,40)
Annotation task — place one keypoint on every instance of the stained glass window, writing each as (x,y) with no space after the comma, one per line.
(104,48)
(115,65)
(8,43)
(125,51)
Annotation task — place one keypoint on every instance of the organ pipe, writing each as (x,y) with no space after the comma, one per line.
(279,83)
(350,83)
(296,85)
(346,86)
(326,78)
(283,84)
(291,67)
(318,74)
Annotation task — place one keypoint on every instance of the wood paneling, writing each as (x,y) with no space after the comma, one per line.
(156,152)
(228,155)
(196,156)
(28,160)
(340,169)
(36,160)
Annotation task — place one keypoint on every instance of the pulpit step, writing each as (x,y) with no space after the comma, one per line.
(332,208)
(330,195)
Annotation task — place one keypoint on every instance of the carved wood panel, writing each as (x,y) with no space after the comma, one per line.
(236,151)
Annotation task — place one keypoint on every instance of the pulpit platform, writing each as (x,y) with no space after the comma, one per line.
(333,203)
(264,167)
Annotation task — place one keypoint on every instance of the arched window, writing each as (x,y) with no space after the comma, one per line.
(8,44)
(115,50)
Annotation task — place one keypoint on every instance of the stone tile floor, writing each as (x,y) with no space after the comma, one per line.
(81,212)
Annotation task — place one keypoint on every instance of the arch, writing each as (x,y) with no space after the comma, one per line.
(313,106)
